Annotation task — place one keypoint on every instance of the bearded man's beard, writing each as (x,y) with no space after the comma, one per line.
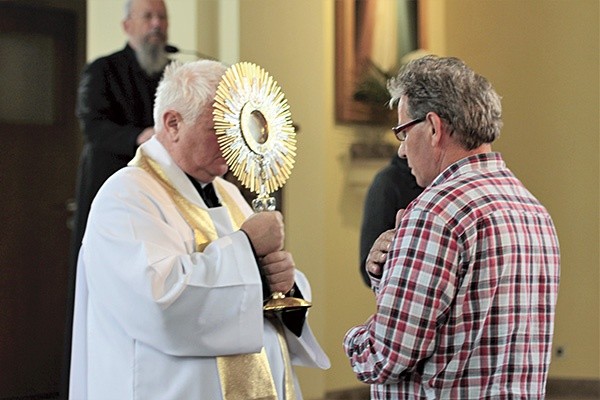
(152,56)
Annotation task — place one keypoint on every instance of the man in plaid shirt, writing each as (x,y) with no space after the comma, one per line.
(466,286)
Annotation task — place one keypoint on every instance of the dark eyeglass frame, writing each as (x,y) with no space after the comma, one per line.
(399,130)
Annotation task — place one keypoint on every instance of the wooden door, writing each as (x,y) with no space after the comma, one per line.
(40,56)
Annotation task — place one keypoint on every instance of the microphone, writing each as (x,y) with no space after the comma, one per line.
(169,48)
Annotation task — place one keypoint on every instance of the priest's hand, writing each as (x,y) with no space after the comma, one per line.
(265,231)
(279,269)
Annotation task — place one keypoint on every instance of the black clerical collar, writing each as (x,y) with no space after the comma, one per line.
(206,191)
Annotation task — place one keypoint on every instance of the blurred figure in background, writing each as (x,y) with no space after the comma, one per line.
(116,96)
(392,189)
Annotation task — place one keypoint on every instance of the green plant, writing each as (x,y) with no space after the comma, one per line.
(372,86)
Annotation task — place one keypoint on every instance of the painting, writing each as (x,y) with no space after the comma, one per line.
(371,39)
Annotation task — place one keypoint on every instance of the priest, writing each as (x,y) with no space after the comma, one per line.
(174,269)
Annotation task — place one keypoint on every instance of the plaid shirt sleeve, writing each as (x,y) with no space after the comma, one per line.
(413,297)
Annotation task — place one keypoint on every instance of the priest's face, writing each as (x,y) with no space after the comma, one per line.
(197,150)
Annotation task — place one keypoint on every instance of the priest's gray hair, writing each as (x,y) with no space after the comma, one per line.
(466,101)
(187,88)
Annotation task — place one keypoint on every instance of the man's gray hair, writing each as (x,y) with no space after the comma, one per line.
(465,100)
(127,9)
(187,88)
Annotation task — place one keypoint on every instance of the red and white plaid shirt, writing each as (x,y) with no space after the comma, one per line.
(465,305)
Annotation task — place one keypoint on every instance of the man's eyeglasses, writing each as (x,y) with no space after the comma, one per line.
(400,130)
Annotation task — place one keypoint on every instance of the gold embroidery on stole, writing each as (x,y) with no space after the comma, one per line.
(242,376)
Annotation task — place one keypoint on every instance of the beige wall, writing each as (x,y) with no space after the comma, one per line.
(542,57)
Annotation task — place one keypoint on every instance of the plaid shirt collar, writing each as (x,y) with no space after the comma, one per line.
(478,162)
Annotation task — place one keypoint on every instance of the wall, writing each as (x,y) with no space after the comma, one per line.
(542,56)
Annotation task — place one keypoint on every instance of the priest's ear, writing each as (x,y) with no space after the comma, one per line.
(171,122)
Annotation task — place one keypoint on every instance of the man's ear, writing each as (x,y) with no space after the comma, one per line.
(436,128)
(125,24)
(171,121)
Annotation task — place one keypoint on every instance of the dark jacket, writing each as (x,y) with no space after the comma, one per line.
(393,188)
(114,105)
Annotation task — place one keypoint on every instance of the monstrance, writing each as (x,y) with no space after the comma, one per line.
(257,138)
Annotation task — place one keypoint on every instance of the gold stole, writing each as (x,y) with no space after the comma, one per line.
(242,376)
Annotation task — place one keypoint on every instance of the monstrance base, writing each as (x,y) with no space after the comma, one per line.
(278,302)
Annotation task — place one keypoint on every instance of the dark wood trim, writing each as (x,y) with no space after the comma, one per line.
(580,388)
